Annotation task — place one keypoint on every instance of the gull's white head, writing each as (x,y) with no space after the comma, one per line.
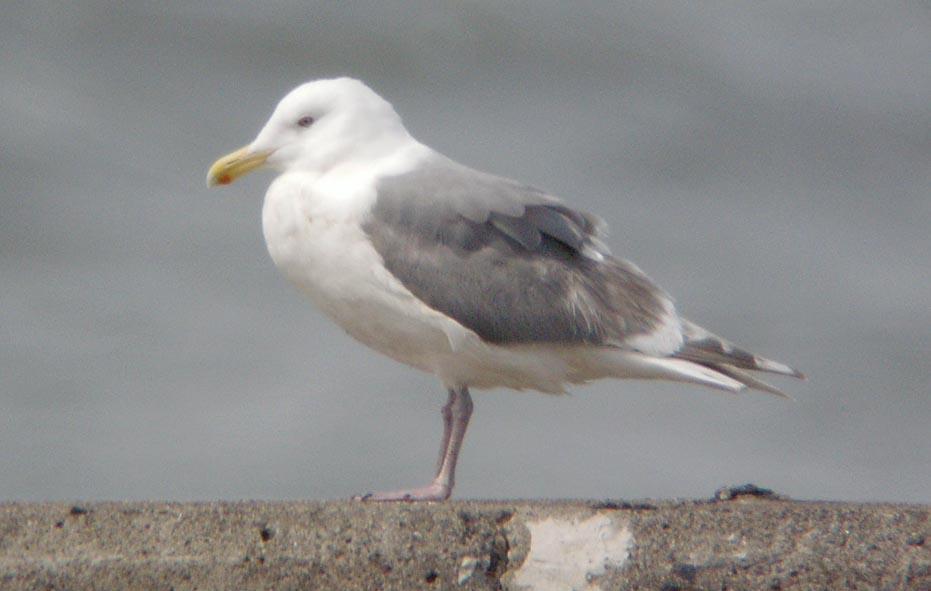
(315,127)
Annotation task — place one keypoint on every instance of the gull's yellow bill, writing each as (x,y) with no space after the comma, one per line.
(234,165)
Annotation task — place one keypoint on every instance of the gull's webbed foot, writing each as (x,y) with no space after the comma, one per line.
(435,491)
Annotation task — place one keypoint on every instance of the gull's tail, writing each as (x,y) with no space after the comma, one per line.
(711,351)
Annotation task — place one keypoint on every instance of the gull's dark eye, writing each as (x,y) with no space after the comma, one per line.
(305,121)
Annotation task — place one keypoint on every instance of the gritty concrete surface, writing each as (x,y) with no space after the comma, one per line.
(744,541)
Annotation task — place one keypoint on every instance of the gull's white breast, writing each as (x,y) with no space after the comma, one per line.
(314,236)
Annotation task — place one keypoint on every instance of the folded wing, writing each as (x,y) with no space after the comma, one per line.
(508,261)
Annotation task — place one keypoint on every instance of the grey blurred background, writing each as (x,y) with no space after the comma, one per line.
(768,163)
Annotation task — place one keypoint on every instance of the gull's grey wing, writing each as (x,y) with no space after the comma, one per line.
(508,261)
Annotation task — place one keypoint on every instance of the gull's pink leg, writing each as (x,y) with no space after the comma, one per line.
(456,415)
(447,414)
(461,413)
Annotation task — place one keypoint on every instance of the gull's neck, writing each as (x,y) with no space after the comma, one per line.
(386,155)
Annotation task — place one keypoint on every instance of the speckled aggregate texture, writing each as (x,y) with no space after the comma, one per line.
(743,542)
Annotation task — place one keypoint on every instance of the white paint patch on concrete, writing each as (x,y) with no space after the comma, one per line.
(569,554)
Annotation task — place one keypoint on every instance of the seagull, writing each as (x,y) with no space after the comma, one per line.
(482,281)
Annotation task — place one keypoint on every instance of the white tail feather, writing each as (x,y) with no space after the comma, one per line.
(632,364)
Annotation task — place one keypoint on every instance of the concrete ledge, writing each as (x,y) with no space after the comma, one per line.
(739,541)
